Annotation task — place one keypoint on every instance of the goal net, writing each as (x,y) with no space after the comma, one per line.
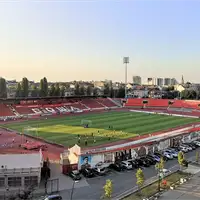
(85,122)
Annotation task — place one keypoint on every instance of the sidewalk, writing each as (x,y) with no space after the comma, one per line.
(187,191)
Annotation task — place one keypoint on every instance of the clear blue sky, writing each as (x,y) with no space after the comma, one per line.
(68,40)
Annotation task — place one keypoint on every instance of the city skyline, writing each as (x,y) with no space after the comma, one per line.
(86,40)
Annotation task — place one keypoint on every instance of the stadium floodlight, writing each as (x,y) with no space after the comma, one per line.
(126,61)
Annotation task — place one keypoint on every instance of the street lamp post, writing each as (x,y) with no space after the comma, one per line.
(72,190)
(126,61)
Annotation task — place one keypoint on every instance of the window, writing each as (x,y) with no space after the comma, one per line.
(14,181)
(31,180)
(2,182)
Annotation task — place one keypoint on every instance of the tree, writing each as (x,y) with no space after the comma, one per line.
(23,194)
(121,92)
(106,89)
(188,94)
(89,90)
(140,178)
(52,90)
(19,90)
(34,91)
(171,88)
(62,91)
(181,159)
(77,89)
(160,166)
(108,189)
(57,90)
(43,87)
(82,91)
(25,87)
(95,92)
(3,88)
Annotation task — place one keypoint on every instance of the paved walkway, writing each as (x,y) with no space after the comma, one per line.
(187,191)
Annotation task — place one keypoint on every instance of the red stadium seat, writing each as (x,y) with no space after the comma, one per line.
(5,111)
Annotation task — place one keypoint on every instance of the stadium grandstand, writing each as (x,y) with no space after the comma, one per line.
(34,107)
(191,107)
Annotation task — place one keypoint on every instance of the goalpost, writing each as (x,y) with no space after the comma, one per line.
(85,122)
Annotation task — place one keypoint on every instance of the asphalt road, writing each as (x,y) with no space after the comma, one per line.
(122,181)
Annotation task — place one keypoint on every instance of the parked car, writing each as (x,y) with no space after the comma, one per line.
(173,153)
(184,149)
(190,145)
(197,143)
(134,163)
(87,172)
(168,155)
(116,166)
(149,160)
(176,148)
(160,155)
(143,162)
(75,175)
(127,165)
(100,171)
(187,146)
(154,157)
(53,197)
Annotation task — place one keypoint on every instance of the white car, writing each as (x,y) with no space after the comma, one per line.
(197,143)
(173,153)
(187,147)
(168,155)
(127,165)
(184,149)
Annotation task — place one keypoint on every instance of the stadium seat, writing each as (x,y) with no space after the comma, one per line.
(91,103)
(106,102)
(134,102)
(5,111)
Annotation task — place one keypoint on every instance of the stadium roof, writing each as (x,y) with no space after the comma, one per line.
(44,98)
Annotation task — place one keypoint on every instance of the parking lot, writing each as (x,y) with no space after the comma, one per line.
(122,181)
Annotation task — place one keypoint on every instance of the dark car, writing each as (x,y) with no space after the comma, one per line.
(143,163)
(116,166)
(75,175)
(87,172)
(161,156)
(191,145)
(177,148)
(135,164)
(150,160)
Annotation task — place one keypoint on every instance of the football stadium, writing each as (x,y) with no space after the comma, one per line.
(92,129)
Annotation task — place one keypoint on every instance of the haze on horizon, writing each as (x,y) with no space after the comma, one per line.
(86,40)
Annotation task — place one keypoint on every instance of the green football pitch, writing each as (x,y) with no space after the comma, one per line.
(103,127)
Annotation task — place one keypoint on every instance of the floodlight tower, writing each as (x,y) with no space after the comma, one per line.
(126,62)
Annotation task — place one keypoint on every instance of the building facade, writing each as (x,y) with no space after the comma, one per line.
(167,81)
(151,81)
(159,82)
(18,171)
